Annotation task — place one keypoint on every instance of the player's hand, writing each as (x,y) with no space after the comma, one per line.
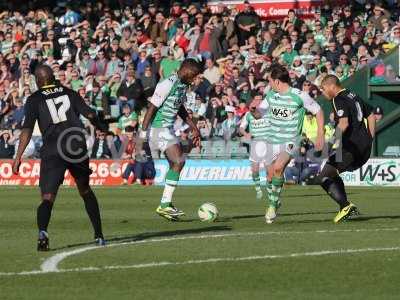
(15,166)
(319,143)
(196,137)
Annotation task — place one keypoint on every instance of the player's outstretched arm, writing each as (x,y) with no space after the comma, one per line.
(24,138)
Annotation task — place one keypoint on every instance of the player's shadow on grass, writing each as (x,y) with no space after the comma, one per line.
(227,219)
(149,235)
(362,218)
(312,195)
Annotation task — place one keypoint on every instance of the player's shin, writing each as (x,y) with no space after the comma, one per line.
(44,214)
(93,211)
(257,184)
(332,183)
(335,189)
(171,181)
(276,189)
(269,190)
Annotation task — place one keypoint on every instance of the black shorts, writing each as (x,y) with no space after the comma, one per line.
(52,171)
(349,160)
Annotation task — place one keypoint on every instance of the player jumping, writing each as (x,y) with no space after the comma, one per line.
(164,107)
(285,108)
(356,142)
(57,110)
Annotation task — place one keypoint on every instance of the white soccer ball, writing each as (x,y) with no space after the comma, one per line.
(208,212)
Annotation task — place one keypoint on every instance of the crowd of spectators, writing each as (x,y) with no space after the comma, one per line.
(114,57)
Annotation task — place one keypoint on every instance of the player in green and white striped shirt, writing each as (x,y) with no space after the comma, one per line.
(165,106)
(254,127)
(285,109)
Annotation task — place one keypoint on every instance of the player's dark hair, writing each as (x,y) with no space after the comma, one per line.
(331,79)
(44,76)
(189,69)
(281,73)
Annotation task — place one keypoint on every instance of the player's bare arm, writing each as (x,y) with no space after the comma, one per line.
(195,131)
(319,145)
(343,124)
(371,120)
(148,117)
(25,137)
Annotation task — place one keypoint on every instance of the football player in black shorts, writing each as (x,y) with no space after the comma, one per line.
(57,110)
(355,136)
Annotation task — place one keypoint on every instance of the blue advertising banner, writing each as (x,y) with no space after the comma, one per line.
(209,172)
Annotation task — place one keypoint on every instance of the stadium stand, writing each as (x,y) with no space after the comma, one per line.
(114,57)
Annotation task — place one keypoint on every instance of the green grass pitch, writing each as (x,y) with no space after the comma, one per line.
(304,255)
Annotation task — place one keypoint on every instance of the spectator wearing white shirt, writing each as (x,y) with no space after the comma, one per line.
(212,73)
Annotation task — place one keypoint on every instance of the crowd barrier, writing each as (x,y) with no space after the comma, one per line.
(376,172)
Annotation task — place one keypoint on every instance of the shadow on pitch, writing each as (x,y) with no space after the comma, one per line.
(227,219)
(149,235)
(312,195)
(368,218)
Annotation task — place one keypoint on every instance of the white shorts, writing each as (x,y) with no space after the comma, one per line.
(263,152)
(161,139)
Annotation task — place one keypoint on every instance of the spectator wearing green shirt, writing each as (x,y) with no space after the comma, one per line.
(76,82)
(128,118)
(289,54)
(113,84)
(169,65)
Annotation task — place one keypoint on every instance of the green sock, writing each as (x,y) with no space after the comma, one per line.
(257,182)
(269,190)
(171,181)
(277,184)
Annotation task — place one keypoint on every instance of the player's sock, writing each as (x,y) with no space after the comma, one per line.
(257,182)
(277,184)
(93,211)
(44,214)
(171,181)
(335,189)
(269,190)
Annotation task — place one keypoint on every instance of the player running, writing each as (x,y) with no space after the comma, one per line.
(285,108)
(254,126)
(355,144)
(165,106)
(57,110)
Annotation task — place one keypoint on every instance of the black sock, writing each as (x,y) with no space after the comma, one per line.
(44,214)
(335,188)
(93,211)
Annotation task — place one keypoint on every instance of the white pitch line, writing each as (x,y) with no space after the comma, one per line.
(51,264)
(212,260)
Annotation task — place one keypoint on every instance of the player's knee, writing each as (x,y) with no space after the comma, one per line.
(83,189)
(278,171)
(255,169)
(177,167)
(327,172)
(50,197)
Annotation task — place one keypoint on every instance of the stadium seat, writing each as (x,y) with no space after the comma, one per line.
(392,151)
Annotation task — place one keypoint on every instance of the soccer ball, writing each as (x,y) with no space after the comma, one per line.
(208,212)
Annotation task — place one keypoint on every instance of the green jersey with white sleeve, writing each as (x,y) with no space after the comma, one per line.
(168,97)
